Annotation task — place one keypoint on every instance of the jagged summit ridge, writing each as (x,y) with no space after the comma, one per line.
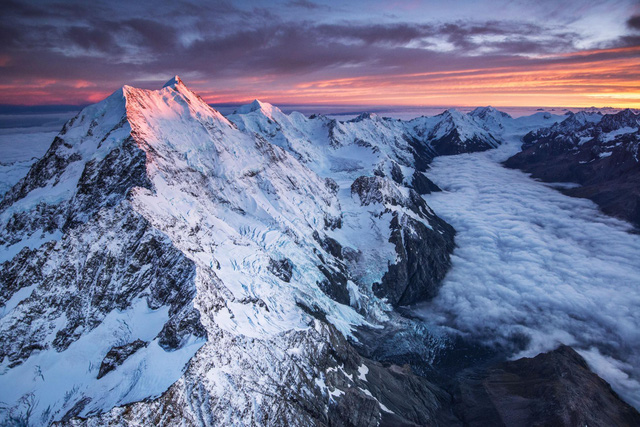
(174,81)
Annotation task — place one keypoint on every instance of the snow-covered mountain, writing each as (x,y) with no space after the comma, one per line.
(164,264)
(368,140)
(154,229)
(599,152)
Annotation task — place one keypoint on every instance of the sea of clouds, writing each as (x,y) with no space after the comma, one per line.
(533,262)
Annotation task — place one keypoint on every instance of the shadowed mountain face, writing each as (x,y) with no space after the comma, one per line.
(164,264)
(551,389)
(598,152)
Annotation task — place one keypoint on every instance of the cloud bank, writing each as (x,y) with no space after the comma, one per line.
(534,263)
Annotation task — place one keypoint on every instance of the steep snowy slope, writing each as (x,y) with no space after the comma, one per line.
(156,242)
(85,273)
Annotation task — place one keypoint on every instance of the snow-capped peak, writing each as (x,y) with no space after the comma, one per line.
(582,117)
(173,82)
(488,111)
(364,116)
(257,105)
(451,112)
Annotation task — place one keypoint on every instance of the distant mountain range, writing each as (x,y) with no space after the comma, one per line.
(599,152)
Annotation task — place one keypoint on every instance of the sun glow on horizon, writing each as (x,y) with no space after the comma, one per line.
(606,77)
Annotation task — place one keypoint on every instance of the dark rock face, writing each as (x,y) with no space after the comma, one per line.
(423,153)
(423,261)
(76,409)
(117,355)
(371,190)
(423,246)
(452,143)
(282,269)
(105,183)
(336,274)
(422,184)
(355,409)
(329,245)
(332,185)
(105,264)
(396,173)
(335,283)
(551,389)
(49,167)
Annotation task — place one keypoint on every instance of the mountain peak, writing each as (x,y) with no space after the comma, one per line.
(364,116)
(257,105)
(173,82)
(484,112)
(451,114)
(626,113)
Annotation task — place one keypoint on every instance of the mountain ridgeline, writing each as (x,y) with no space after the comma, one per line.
(164,264)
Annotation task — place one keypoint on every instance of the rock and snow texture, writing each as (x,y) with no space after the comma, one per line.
(84,272)
(156,241)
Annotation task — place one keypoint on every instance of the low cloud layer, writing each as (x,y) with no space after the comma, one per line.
(532,263)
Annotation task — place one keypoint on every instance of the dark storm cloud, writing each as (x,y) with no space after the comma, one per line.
(154,35)
(392,34)
(277,46)
(90,39)
(634,22)
(305,4)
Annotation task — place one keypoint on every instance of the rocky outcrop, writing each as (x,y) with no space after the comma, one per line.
(282,269)
(422,184)
(423,242)
(551,389)
(105,264)
(117,355)
(423,260)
